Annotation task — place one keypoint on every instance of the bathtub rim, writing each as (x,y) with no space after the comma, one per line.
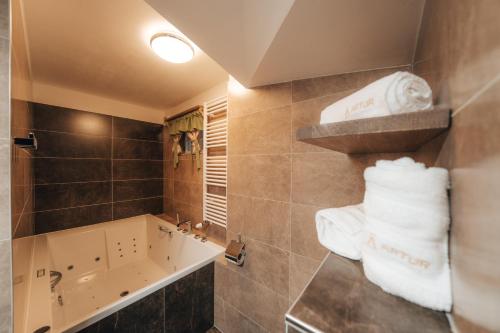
(108,309)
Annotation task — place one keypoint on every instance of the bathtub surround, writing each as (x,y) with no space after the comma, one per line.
(91,168)
(5,186)
(458,54)
(276,185)
(186,305)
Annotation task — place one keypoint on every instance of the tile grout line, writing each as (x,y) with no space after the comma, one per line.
(97,204)
(477,94)
(290,196)
(112,171)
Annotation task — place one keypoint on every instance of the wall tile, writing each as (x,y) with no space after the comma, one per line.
(474,160)
(268,222)
(71,218)
(308,113)
(266,132)
(328,179)
(267,265)
(236,322)
(267,309)
(264,176)
(56,144)
(136,189)
(4,92)
(302,270)
(137,169)
(137,149)
(135,129)
(258,99)
(123,209)
(5,286)
(62,170)
(304,239)
(59,119)
(326,85)
(182,191)
(56,196)
(5,206)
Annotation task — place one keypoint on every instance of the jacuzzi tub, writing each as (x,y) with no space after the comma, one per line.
(106,267)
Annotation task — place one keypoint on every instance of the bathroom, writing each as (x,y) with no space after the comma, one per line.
(180,166)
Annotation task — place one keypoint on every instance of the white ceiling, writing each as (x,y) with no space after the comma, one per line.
(101,47)
(261,41)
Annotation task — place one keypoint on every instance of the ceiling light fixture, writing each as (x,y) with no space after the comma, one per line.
(172,48)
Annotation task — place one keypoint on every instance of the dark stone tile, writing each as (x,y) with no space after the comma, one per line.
(179,305)
(137,149)
(55,144)
(137,189)
(125,209)
(144,316)
(59,119)
(135,129)
(71,218)
(62,170)
(203,312)
(54,196)
(137,169)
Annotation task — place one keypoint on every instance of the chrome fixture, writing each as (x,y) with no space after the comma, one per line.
(185,231)
(55,278)
(204,230)
(165,229)
(27,143)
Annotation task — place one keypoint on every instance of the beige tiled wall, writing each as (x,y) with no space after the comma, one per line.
(5,220)
(459,54)
(276,185)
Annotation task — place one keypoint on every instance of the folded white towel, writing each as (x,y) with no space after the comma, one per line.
(396,93)
(405,250)
(341,230)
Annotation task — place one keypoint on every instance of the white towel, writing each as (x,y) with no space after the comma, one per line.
(341,230)
(405,250)
(396,93)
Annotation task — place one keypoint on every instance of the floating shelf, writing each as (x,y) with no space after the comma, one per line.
(396,133)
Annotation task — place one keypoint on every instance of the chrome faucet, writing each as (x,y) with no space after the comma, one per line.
(187,222)
(189,227)
(55,278)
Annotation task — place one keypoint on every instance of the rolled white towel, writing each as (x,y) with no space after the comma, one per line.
(396,93)
(405,250)
(341,230)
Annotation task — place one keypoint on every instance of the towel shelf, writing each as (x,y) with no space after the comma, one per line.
(396,133)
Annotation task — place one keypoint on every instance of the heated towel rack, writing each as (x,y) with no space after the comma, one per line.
(215,162)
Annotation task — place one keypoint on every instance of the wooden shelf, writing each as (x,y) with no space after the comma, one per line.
(396,133)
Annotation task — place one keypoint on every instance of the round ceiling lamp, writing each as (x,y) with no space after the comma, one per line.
(172,48)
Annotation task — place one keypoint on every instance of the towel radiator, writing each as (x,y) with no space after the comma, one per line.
(215,162)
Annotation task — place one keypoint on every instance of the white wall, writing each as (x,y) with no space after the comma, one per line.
(214,92)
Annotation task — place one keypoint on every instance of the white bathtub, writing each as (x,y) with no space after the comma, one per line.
(101,262)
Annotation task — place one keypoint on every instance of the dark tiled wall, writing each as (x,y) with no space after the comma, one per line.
(185,306)
(22,171)
(91,168)
(459,54)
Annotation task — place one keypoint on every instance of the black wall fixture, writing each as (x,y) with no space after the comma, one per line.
(27,143)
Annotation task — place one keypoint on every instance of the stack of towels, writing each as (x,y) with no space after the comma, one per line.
(396,93)
(400,231)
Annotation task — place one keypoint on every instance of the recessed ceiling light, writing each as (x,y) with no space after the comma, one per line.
(172,48)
